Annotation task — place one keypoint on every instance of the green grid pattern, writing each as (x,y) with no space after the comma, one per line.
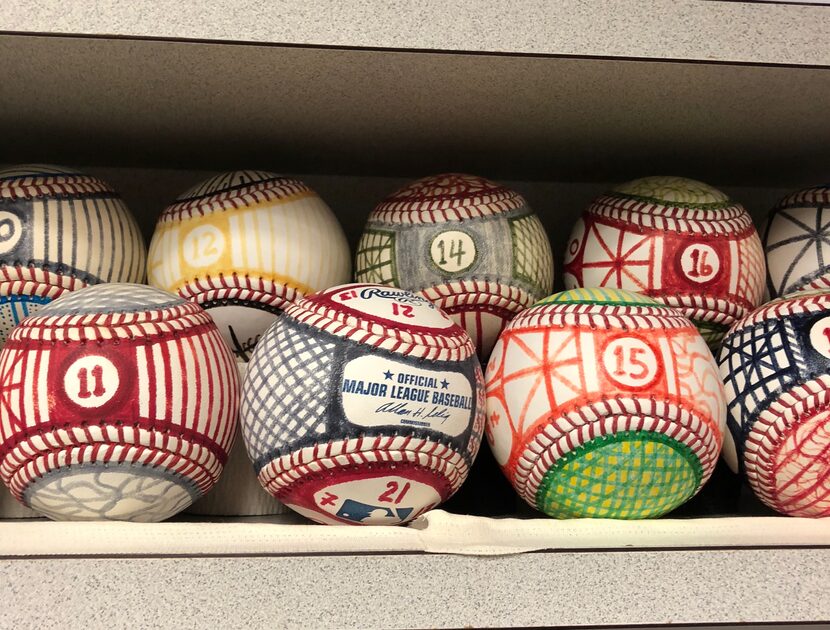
(628,475)
(532,258)
(686,193)
(375,259)
(712,333)
(600,296)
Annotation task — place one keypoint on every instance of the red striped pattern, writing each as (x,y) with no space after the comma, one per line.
(175,405)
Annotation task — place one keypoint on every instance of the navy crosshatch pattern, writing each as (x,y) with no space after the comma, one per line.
(292,398)
(763,360)
(760,364)
(285,399)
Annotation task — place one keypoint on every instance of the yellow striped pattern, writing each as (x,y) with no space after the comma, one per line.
(294,241)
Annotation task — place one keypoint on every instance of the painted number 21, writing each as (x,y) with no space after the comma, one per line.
(393,494)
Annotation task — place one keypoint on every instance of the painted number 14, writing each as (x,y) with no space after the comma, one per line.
(456,251)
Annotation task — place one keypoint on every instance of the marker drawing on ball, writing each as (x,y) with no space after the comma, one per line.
(775,364)
(472,247)
(363,404)
(60,230)
(604,403)
(244,244)
(117,401)
(676,240)
(797,242)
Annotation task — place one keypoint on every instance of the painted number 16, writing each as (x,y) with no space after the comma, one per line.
(700,268)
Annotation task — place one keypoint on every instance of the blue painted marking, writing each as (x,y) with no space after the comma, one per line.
(358,512)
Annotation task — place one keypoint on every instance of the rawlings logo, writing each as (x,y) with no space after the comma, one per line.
(400,297)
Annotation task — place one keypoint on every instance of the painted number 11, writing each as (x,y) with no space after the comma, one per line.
(83,382)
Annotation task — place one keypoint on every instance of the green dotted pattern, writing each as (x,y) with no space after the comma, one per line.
(600,296)
(375,258)
(628,475)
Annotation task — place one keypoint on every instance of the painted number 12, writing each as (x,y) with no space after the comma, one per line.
(402,310)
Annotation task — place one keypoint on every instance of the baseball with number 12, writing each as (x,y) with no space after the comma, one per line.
(363,404)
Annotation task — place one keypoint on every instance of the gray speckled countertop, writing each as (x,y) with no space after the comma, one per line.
(420,591)
(674,29)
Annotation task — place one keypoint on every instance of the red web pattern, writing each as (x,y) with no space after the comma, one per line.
(698,382)
(801,469)
(545,372)
(620,258)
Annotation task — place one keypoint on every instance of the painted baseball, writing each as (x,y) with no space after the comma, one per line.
(472,247)
(775,364)
(797,242)
(243,245)
(118,401)
(60,230)
(676,240)
(363,404)
(604,403)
